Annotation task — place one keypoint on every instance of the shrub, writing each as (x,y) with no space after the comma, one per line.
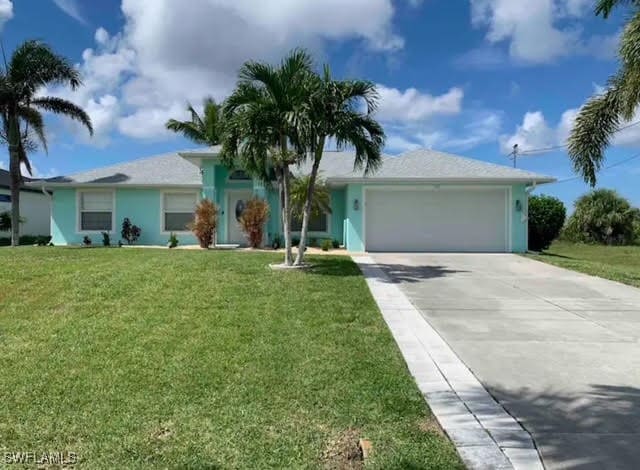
(546,219)
(106,239)
(253,220)
(40,240)
(313,241)
(295,241)
(5,221)
(86,240)
(326,245)
(277,242)
(335,243)
(173,241)
(205,223)
(130,232)
(602,216)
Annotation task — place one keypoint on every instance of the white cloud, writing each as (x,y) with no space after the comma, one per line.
(539,31)
(412,105)
(535,133)
(6,11)
(71,8)
(167,55)
(471,129)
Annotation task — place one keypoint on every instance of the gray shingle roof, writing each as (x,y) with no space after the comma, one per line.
(169,169)
(422,164)
(172,169)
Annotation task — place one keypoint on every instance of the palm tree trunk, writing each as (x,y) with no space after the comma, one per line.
(308,203)
(15,178)
(286,215)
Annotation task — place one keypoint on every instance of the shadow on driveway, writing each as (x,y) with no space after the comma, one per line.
(399,273)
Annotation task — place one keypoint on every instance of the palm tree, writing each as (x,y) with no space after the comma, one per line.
(334,110)
(204,130)
(321,202)
(258,129)
(32,66)
(602,115)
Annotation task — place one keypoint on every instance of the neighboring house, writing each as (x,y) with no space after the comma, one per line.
(422,200)
(35,206)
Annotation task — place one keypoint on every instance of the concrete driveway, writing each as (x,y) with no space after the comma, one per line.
(558,349)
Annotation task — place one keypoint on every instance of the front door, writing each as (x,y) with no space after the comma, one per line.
(236,202)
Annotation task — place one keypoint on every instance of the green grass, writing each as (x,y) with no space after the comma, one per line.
(136,358)
(618,263)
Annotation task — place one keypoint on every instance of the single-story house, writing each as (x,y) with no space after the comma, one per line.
(422,200)
(35,206)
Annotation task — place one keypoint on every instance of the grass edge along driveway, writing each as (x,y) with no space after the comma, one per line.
(140,357)
(616,263)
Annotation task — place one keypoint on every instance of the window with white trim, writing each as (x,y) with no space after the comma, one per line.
(317,223)
(178,210)
(96,211)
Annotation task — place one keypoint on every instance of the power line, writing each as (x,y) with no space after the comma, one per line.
(558,147)
(613,165)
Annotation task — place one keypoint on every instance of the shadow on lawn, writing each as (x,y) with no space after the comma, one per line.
(595,429)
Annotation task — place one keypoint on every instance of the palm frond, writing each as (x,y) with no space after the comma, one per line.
(35,122)
(605,7)
(188,129)
(595,125)
(67,108)
(34,64)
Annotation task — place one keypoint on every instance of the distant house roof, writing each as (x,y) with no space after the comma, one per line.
(181,169)
(5,181)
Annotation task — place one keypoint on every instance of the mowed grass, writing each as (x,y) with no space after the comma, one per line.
(618,263)
(137,358)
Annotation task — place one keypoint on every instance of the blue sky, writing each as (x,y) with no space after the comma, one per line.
(470,77)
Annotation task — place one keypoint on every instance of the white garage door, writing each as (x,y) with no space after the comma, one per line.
(445,219)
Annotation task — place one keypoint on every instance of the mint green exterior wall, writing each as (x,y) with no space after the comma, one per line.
(142,206)
(338,213)
(354,220)
(519,222)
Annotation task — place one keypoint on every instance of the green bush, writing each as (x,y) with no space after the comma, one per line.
(106,239)
(603,216)
(335,243)
(546,219)
(326,244)
(173,241)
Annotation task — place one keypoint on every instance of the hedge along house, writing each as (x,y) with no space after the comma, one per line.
(422,200)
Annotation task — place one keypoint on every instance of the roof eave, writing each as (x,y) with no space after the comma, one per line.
(72,184)
(521,180)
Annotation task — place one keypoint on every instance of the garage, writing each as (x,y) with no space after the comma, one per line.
(448,219)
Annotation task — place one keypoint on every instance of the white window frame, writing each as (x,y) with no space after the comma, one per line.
(197,197)
(79,193)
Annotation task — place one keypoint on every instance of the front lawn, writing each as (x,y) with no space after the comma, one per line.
(618,263)
(138,358)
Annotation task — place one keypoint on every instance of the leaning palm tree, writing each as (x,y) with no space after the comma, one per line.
(205,129)
(32,66)
(258,133)
(602,115)
(334,110)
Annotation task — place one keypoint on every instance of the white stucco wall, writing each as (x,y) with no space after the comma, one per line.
(35,209)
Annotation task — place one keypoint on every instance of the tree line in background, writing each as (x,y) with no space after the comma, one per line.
(601,216)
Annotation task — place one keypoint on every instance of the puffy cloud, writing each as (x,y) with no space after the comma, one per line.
(412,105)
(168,55)
(6,11)
(537,32)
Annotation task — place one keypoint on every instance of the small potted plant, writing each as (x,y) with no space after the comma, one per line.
(86,241)
(173,241)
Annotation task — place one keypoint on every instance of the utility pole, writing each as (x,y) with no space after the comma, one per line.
(514,155)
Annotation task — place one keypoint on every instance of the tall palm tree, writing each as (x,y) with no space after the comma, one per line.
(33,65)
(602,115)
(204,130)
(258,131)
(334,110)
